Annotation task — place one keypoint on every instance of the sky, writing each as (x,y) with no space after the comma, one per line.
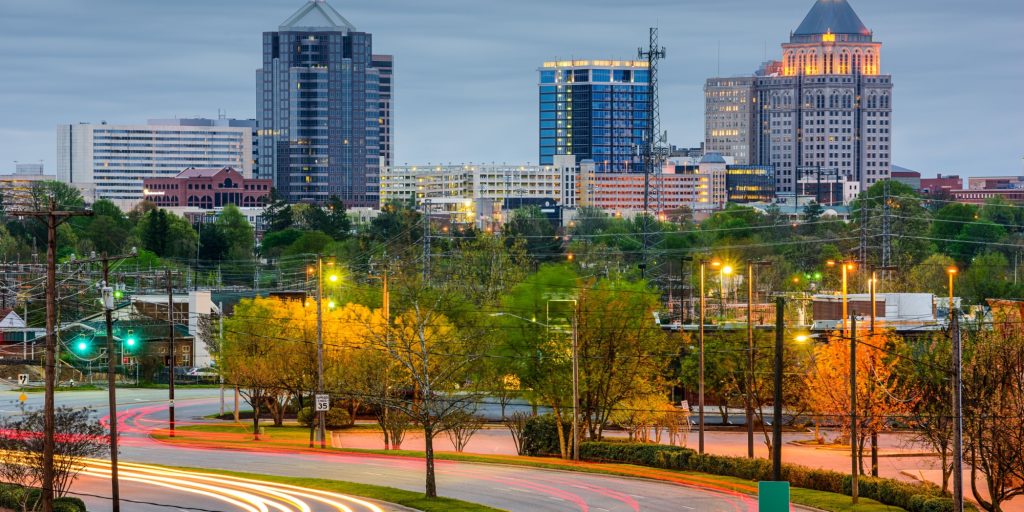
(466,70)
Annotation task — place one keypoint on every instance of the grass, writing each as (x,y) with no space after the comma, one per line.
(409,499)
(297,437)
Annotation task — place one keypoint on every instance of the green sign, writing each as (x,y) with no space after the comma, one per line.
(773,496)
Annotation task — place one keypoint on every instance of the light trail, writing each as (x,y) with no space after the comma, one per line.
(241,494)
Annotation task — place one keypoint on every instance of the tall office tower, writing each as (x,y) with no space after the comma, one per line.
(826,107)
(729,117)
(595,110)
(112,160)
(320,109)
(385,66)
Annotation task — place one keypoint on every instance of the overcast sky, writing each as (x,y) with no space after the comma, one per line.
(466,70)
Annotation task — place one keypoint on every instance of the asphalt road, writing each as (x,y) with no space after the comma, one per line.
(506,487)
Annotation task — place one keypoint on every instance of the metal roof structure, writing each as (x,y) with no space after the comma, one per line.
(831,16)
(317,16)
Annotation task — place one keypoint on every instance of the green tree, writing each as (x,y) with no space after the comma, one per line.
(331,219)
(154,230)
(909,221)
(312,242)
(278,213)
(237,231)
(533,227)
(213,244)
(987,277)
(274,243)
(950,220)
(930,275)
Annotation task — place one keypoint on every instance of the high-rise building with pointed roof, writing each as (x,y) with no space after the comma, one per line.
(825,108)
(325,123)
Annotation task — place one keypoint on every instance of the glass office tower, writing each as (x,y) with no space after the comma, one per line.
(597,110)
(321,120)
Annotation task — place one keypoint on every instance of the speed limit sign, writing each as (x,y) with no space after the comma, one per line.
(323,403)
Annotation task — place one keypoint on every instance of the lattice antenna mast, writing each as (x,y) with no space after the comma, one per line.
(654,53)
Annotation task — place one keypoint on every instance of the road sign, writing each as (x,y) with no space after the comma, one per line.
(685,405)
(323,403)
(22,379)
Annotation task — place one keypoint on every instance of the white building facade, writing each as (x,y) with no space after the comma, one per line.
(114,159)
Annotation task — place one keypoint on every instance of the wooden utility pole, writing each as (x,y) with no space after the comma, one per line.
(108,307)
(53,218)
(855,472)
(171,361)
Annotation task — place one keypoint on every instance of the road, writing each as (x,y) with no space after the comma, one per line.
(506,487)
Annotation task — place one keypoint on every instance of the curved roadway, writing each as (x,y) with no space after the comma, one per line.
(505,487)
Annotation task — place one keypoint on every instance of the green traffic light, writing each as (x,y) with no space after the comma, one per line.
(130,342)
(118,294)
(83,346)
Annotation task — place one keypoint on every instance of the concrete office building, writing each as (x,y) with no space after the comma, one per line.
(729,109)
(113,160)
(324,109)
(595,110)
(826,105)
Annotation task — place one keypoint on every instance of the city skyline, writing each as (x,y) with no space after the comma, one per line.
(89,74)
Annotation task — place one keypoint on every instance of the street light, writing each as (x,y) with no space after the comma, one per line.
(847,267)
(952,271)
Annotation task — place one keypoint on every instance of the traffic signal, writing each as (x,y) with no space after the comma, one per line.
(81,345)
(130,341)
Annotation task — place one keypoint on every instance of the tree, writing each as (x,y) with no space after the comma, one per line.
(878,387)
(213,244)
(237,232)
(986,278)
(924,365)
(78,436)
(438,355)
(66,196)
(930,275)
(167,234)
(276,242)
(278,213)
(533,227)
(994,413)
(331,219)
(909,221)
(623,355)
(311,242)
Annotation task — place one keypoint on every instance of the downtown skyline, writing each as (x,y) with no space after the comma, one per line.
(466,73)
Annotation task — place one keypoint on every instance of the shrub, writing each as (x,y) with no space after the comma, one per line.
(909,496)
(68,504)
(540,435)
(336,417)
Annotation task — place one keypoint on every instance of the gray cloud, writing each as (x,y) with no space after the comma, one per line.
(466,69)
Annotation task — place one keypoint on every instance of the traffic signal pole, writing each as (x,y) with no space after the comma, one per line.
(108,308)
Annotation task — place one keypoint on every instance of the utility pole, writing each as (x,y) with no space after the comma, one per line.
(171,359)
(700,370)
(958,425)
(886,226)
(855,473)
(220,308)
(321,417)
(53,218)
(750,360)
(108,309)
(575,384)
(426,239)
(780,327)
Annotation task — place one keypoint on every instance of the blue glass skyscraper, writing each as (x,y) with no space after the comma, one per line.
(597,110)
(322,118)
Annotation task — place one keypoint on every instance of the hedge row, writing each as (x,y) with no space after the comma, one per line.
(911,497)
(11,496)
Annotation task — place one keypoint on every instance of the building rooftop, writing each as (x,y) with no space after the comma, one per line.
(317,16)
(831,17)
(196,172)
(713,158)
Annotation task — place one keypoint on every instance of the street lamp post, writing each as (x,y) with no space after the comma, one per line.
(700,365)
(322,429)
(958,426)
(780,307)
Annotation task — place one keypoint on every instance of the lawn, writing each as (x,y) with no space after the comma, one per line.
(240,436)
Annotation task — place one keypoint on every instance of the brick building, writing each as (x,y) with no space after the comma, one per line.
(207,189)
